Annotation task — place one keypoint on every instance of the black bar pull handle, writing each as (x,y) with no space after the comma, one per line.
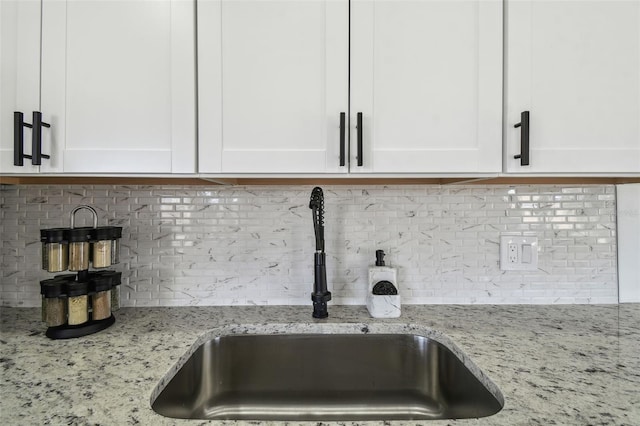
(359,128)
(342,139)
(524,138)
(36,139)
(18,139)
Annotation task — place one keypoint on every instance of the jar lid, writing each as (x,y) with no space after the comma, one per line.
(74,289)
(102,233)
(51,288)
(101,282)
(53,235)
(116,232)
(65,277)
(115,277)
(78,235)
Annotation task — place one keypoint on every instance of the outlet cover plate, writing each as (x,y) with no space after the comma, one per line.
(518,253)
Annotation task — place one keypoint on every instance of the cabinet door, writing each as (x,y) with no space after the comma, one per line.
(19,76)
(118,84)
(426,75)
(273,80)
(575,66)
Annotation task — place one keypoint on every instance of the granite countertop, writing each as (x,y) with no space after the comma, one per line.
(570,364)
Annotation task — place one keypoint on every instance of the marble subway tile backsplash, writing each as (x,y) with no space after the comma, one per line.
(254,244)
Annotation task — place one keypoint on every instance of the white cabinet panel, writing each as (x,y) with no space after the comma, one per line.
(575,66)
(19,76)
(628,232)
(427,77)
(118,85)
(273,80)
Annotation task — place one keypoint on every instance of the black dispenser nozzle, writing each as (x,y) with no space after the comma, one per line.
(379,258)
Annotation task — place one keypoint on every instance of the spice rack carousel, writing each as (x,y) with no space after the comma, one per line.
(82,303)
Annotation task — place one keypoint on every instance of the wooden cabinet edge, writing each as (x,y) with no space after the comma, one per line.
(310,180)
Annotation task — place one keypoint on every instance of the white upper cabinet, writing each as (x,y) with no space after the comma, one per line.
(322,86)
(575,67)
(426,78)
(118,86)
(273,82)
(19,79)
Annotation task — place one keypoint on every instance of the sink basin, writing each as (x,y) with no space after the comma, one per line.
(312,377)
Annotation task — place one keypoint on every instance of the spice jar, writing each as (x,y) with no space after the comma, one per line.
(102,238)
(116,280)
(77,293)
(54,305)
(44,302)
(55,250)
(116,234)
(101,298)
(78,248)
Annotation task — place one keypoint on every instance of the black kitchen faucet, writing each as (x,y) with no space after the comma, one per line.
(320,295)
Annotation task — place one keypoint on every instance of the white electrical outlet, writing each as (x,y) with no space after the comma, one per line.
(512,253)
(518,253)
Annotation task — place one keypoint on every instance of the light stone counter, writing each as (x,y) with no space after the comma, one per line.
(572,364)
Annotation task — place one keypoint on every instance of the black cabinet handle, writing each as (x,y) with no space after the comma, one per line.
(18,139)
(359,128)
(342,139)
(36,139)
(524,138)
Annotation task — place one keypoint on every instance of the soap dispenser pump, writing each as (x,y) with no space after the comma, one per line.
(383,298)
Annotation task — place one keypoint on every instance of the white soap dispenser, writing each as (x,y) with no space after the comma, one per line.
(383,296)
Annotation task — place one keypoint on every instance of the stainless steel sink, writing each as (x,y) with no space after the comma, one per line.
(301,377)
